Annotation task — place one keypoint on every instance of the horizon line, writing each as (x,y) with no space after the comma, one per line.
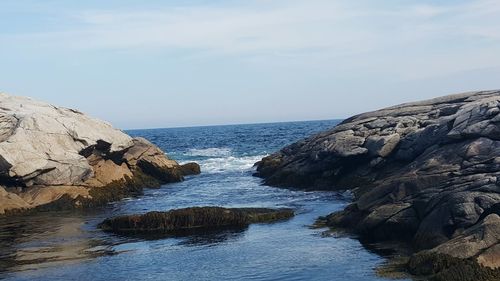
(233,124)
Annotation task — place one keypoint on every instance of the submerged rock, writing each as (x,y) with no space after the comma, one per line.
(427,173)
(182,220)
(56,158)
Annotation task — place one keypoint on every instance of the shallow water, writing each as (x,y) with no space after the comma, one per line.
(68,246)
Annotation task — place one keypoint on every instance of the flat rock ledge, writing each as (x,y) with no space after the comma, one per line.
(54,158)
(183,221)
(427,173)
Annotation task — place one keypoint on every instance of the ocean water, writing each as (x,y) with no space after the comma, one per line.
(68,245)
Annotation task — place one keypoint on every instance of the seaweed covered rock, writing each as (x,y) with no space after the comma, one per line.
(59,157)
(425,172)
(182,220)
(442,267)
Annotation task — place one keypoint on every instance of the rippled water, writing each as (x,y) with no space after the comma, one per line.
(68,246)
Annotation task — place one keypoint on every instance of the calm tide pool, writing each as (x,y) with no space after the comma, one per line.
(68,246)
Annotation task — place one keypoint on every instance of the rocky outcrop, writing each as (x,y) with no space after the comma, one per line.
(57,157)
(182,221)
(425,172)
(190,169)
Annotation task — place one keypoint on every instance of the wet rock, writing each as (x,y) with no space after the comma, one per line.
(50,155)
(182,220)
(189,169)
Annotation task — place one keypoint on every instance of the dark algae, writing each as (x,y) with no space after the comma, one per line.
(176,221)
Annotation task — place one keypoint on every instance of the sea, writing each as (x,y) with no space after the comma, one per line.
(69,246)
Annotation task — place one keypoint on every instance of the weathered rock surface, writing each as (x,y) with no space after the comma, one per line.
(424,172)
(57,156)
(180,221)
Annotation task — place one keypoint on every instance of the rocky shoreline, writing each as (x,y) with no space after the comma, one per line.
(54,158)
(425,173)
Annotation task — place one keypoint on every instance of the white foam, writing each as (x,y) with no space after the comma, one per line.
(210,152)
(221,159)
(226,164)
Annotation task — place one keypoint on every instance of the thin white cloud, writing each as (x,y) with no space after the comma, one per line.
(221,29)
(356,34)
(337,26)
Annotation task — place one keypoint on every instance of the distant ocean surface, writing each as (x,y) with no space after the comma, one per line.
(68,246)
(230,147)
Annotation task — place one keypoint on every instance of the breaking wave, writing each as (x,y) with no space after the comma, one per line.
(225,164)
(210,152)
(218,160)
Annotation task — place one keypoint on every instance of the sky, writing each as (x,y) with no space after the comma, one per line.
(155,64)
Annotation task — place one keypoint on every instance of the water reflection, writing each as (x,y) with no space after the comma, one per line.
(52,239)
(282,251)
(47,239)
(213,237)
(193,237)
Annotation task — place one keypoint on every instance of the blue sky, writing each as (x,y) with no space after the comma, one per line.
(147,64)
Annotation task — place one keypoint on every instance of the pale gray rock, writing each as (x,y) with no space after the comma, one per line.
(42,143)
(58,151)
